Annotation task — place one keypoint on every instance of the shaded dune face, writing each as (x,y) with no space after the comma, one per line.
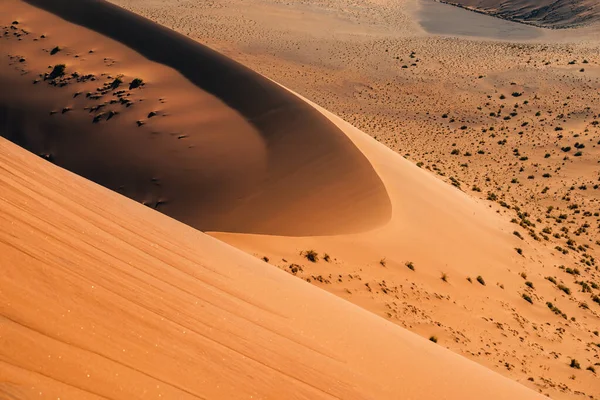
(228,150)
(547,13)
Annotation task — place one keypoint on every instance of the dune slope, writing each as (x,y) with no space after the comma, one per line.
(546,13)
(449,266)
(446,104)
(204,139)
(104,298)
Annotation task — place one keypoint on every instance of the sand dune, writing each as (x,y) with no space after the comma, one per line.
(546,13)
(437,231)
(104,298)
(150,304)
(205,140)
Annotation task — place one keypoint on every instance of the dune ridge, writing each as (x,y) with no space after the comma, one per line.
(246,158)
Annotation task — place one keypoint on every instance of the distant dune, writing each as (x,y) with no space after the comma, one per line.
(546,13)
(204,140)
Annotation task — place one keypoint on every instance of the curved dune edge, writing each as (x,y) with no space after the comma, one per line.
(102,297)
(441,231)
(228,149)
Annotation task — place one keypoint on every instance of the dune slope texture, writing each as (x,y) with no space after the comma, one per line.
(104,298)
(502,266)
(168,122)
(547,13)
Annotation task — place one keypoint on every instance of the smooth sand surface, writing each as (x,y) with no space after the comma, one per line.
(104,298)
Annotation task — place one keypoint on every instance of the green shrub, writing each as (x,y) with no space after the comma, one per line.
(564,288)
(551,279)
(556,310)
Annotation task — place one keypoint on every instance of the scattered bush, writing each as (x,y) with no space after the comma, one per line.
(575,364)
(480,280)
(410,265)
(136,83)
(527,298)
(564,288)
(434,339)
(57,71)
(571,271)
(116,83)
(311,256)
(556,310)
